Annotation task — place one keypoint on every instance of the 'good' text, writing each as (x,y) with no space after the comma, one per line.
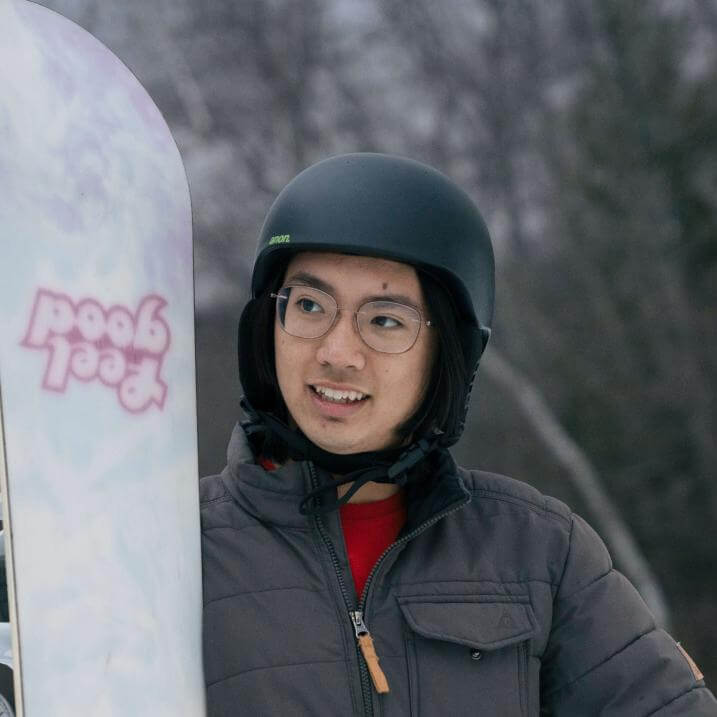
(123,350)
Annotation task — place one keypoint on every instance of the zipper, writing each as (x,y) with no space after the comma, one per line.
(363,668)
(365,643)
(524,677)
(356,616)
(407,539)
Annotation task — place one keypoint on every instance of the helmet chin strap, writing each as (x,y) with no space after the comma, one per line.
(391,465)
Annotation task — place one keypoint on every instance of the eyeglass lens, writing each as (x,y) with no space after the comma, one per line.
(385,326)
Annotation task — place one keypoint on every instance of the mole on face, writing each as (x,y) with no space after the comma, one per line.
(385,286)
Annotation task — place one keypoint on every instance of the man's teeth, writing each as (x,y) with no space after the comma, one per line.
(339,396)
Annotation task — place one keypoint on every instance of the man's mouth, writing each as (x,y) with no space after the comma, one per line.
(336,396)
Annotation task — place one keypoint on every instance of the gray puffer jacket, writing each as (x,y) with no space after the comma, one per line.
(495,600)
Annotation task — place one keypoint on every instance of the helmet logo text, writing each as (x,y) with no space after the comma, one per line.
(280,239)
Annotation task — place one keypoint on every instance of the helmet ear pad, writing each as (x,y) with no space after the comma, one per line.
(249,380)
(257,369)
(459,346)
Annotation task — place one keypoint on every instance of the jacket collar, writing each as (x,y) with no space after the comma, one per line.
(271,496)
(274,496)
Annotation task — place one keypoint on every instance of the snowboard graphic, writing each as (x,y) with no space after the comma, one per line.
(97,385)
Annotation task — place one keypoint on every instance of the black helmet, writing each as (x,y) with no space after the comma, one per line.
(383,206)
(391,207)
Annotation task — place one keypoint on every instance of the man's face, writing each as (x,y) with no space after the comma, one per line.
(392,384)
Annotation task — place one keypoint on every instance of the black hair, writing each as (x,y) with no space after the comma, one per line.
(444,399)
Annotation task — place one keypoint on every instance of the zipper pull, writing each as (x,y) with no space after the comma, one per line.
(368,651)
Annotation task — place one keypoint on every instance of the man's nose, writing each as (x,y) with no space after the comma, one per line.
(342,346)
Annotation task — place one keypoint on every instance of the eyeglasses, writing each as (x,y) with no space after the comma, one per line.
(386,326)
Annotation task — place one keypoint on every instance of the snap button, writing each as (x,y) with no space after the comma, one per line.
(476,654)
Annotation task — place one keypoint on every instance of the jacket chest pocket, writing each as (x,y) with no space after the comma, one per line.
(469,655)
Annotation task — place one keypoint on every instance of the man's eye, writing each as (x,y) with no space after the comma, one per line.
(309,306)
(386,322)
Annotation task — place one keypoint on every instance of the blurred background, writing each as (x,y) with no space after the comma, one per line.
(586,131)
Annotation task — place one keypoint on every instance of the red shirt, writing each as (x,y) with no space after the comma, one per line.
(369,528)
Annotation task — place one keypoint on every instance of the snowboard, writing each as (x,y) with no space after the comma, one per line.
(98,457)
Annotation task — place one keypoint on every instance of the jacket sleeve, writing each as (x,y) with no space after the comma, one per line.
(605,655)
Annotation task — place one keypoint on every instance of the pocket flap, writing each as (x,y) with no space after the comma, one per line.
(482,622)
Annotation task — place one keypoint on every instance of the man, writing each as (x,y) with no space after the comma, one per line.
(349,566)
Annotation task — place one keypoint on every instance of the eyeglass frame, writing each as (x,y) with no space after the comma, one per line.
(421,320)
